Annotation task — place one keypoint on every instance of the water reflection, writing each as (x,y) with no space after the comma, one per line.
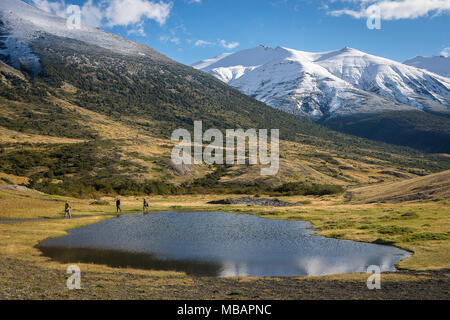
(217,244)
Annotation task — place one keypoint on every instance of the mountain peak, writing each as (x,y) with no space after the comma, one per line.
(320,85)
(248,58)
(348,49)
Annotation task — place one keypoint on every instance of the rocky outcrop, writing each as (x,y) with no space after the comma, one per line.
(254,201)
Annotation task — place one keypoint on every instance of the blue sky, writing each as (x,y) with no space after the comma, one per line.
(193,30)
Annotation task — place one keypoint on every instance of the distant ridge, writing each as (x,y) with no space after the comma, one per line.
(437,64)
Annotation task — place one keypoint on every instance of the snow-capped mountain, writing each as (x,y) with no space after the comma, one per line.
(437,64)
(116,77)
(20,24)
(322,85)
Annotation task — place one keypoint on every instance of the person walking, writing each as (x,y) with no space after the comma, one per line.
(118,206)
(145,206)
(67,208)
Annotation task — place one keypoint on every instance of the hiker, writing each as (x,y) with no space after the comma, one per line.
(145,206)
(67,208)
(118,206)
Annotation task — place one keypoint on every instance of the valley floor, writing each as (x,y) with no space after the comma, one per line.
(421,227)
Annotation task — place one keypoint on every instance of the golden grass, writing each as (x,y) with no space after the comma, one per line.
(331,215)
(13,178)
(432,187)
(8,69)
(350,171)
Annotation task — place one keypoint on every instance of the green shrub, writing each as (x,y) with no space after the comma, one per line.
(302,189)
(383,242)
(410,215)
(395,230)
(426,236)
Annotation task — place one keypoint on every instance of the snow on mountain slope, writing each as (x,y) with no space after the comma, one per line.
(289,81)
(22,23)
(321,85)
(246,58)
(387,78)
(206,63)
(439,65)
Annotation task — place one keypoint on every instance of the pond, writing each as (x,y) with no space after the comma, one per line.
(217,244)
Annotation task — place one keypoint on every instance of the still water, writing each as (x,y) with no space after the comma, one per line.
(217,244)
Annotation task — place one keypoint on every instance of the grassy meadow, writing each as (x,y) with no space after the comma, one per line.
(422,227)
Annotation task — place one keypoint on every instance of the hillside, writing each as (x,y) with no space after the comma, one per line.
(89,113)
(424,131)
(434,187)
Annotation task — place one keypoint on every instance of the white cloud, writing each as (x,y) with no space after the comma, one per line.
(445,52)
(394,10)
(222,43)
(91,14)
(201,43)
(57,8)
(112,13)
(230,45)
(128,12)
